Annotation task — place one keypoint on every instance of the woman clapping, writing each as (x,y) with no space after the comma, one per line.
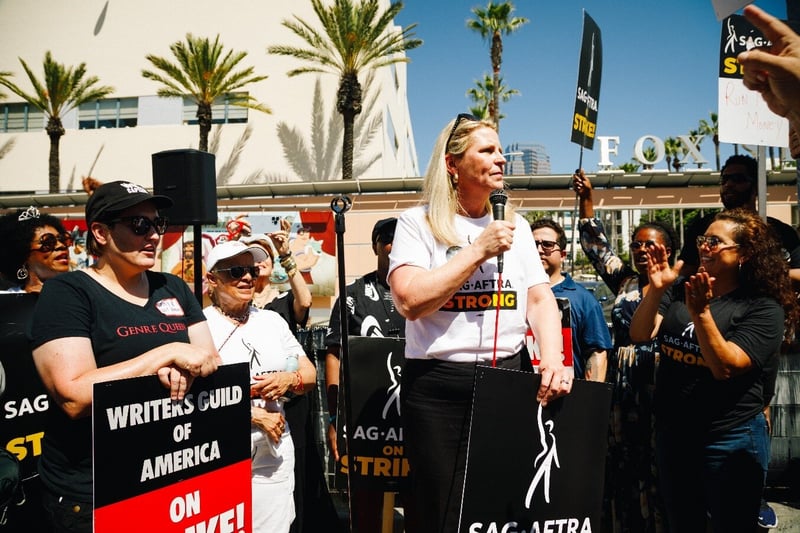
(718,332)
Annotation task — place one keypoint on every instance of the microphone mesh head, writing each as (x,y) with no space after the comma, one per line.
(498,196)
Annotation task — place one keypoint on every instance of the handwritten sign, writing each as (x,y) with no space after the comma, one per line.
(744,117)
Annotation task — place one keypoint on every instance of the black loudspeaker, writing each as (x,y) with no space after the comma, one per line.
(189,178)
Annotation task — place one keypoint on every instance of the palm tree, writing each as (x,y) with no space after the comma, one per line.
(483,93)
(649,154)
(64,89)
(630,167)
(320,159)
(695,135)
(492,23)
(711,128)
(672,149)
(205,75)
(356,37)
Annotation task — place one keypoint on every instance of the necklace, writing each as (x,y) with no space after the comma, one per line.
(239,319)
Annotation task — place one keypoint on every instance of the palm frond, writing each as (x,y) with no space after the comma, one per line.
(7,147)
(227,170)
(215,139)
(295,151)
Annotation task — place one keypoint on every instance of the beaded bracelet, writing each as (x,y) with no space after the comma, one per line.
(288,264)
(282,257)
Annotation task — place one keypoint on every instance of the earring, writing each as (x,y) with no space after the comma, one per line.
(454,179)
(22,273)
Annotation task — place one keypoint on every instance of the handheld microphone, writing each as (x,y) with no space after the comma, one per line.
(498,200)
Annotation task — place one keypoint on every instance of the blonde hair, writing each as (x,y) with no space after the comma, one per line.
(439,188)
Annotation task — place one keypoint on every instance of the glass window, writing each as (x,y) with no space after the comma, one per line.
(109,113)
(222,111)
(21,117)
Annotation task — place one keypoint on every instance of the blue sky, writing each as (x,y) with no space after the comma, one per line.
(660,64)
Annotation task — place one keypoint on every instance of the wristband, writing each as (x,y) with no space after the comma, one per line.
(282,257)
(288,264)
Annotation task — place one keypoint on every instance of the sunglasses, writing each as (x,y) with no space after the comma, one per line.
(546,246)
(141,225)
(459,118)
(238,272)
(49,242)
(735,178)
(713,243)
(636,245)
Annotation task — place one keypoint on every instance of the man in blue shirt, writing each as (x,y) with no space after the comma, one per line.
(590,337)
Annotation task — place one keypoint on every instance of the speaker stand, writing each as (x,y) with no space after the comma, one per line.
(198,262)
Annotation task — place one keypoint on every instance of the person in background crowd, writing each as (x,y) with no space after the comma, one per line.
(36,249)
(591,340)
(739,188)
(293,306)
(78,258)
(371,313)
(442,250)
(631,500)
(278,367)
(717,333)
(184,268)
(74,346)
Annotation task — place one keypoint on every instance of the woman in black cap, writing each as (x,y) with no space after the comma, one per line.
(76,339)
(36,249)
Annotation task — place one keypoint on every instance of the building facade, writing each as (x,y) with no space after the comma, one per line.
(525,159)
(114,138)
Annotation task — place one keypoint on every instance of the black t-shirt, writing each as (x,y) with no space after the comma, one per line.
(76,305)
(687,395)
(284,306)
(371,312)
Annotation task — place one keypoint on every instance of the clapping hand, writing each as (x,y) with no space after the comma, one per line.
(699,291)
(659,272)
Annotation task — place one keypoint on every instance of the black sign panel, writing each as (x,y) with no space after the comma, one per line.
(24,407)
(587,94)
(24,399)
(144,441)
(530,468)
(375,449)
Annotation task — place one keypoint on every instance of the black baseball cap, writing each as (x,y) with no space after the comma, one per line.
(384,228)
(111,198)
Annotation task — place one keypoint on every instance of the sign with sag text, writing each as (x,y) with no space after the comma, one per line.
(744,117)
(374,429)
(532,469)
(173,466)
(587,95)
(24,403)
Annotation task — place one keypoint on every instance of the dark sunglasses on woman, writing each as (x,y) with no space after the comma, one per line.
(238,272)
(141,225)
(49,242)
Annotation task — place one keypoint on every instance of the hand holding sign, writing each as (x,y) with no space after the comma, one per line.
(774,72)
